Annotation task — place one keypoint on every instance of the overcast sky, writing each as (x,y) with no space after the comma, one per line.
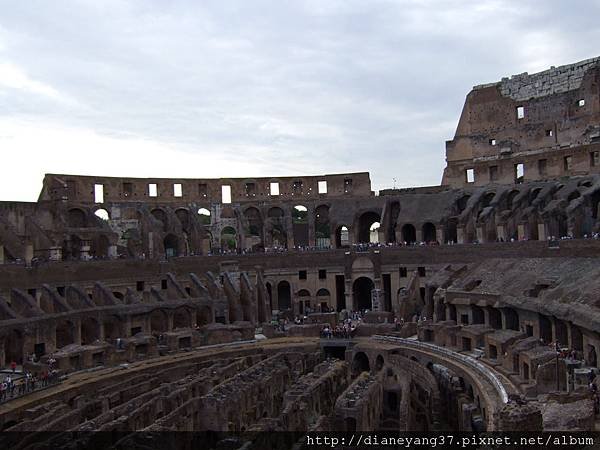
(259,88)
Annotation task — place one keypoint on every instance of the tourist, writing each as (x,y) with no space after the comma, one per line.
(13,365)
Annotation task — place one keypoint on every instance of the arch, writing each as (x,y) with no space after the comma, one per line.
(323,299)
(13,347)
(322,226)
(102,214)
(303,293)
(342,236)
(183,215)
(323,293)
(360,363)
(171,245)
(278,236)
(64,333)
(76,218)
(159,321)
(254,219)
(362,291)
(182,318)
(275,213)
(284,296)
(300,225)
(161,216)
(429,232)
(228,238)
(113,328)
(204,216)
(510,199)
(487,199)
(90,331)
(409,233)
(365,223)
(573,195)
(461,203)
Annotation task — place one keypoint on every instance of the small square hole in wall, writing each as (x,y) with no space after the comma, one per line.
(581,102)
(470,174)
(520,112)
(177,190)
(492,141)
(549,133)
(302,275)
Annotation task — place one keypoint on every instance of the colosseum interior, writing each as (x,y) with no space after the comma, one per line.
(312,303)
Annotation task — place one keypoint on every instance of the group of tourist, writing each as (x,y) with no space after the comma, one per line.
(345,330)
(14,387)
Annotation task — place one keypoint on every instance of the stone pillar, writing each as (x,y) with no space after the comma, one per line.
(55,253)
(419,235)
(439,235)
(542,231)
(77,331)
(520,231)
(28,254)
(501,232)
(460,235)
(348,295)
(1,254)
(480,234)
(84,250)
(150,244)
(112,251)
(170,321)
(312,241)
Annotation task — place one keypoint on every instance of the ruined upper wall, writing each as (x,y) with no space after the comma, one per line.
(528,127)
(555,80)
(80,189)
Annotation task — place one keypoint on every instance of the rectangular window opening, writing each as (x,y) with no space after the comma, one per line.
(250,190)
(127,189)
(98,193)
(347,185)
(519,172)
(139,286)
(322,274)
(203,190)
(581,102)
(549,133)
(152,190)
(595,158)
(493,173)
(520,112)
(403,272)
(470,173)
(274,188)
(492,141)
(542,166)
(177,190)
(225,194)
(568,162)
(302,275)
(322,187)
(297,187)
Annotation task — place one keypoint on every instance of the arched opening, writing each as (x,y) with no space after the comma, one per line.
(254,231)
(113,329)
(379,363)
(228,239)
(284,296)
(181,318)
(101,246)
(323,300)
(278,235)
(362,291)
(511,318)
(159,321)
(304,305)
(461,203)
(300,225)
(171,244)
(409,234)
(13,347)
(102,214)
(451,235)
(64,334)
(478,315)
(360,364)
(204,216)
(322,227)
(90,331)
(368,226)
(495,318)
(161,216)
(429,233)
(545,329)
(76,218)
(183,215)
(342,237)
(576,338)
